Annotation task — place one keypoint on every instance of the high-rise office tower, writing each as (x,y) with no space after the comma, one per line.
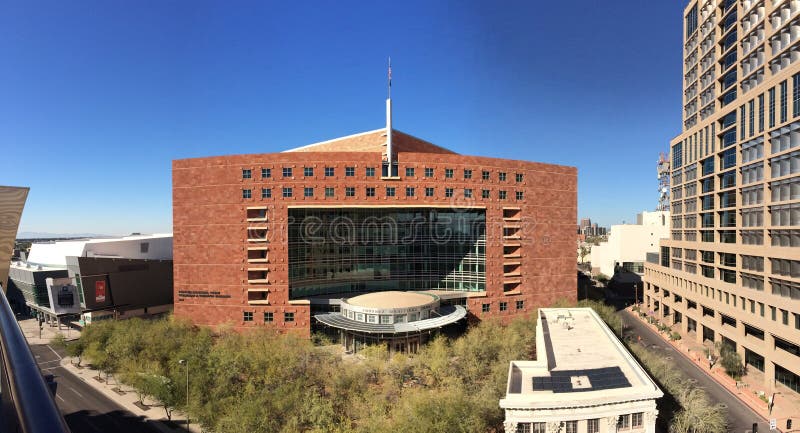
(730,271)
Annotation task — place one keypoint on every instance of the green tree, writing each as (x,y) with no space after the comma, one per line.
(730,360)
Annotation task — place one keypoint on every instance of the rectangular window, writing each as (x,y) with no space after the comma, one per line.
(246,193)
(410,191)
(329,171)
(246,173)
(501,195)
(772,107)
(752,109)
(308,192)
(428,192)
(624,422)
(428,172)
(287,192)
(784,85)
(448,192)
(571,426)
(329,191)
(266,193)
(742,122)
(520,195)
(308,171)
(796,95)
(467,174)
(409,171)
(370,191)
(636,420)
(349,191)
(467,193)
(448,173)
(761,113)
(266,172)
(390,191)
(485,308)
(593,425)
(485,193)
(485,175)
(503,306)
(501,176)
(370,172)
(268,317)
(248,316)
(520,304)
(287,171)
(349,171)
(288,317)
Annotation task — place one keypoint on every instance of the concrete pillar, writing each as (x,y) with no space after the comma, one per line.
(769,366)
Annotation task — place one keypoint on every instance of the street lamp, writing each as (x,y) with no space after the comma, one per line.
(185,362)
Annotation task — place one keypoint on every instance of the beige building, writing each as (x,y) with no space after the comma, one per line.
(628,244)
(12,200)
(730,270)
(582,381)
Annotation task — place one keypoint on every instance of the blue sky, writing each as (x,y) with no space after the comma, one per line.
(97,97)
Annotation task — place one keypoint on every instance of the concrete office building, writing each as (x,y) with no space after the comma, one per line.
(114,277)
(730,271)
(628,244)
(12,200)
(276,238)
(582,381)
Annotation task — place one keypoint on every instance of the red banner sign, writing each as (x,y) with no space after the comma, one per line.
(100,291)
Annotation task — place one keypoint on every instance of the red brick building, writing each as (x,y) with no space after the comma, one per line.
(249,250)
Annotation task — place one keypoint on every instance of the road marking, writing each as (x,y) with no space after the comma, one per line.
(48,362)
(76,392)
(60,398)
(56,353)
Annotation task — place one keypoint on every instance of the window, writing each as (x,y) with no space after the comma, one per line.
(771,107)
(349,171)
(784,86)
(329,191)
(636,420)
(246,193)
(796,95)
(287,192)
(409,171)
(761,113)
(571,426)
(248,316)
(349,191)
(593,425)
(144,247)
(266,172)
(288,317)
(503,306)
(308,171)
(752,109)
(247,173)
(485,193)
(501,195)
(287,171)
(268,317)
(266,193)
(428,192)
(428,172)
(448,173)
(410,191)
(448,192)
(519,177)
(370,172)
(308,192)
(390,191)
(624,422)
(485,174)
(370,191)
(501,176)
(467,193)
(520,195)
(523,427)
(520,304)
(485,308)
(329,171)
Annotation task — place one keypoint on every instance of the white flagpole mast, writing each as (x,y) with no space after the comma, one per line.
(389,120)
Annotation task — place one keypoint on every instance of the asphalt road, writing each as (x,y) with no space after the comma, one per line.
(84,409)
(740,416)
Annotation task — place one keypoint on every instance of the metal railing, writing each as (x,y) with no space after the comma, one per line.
(26,401)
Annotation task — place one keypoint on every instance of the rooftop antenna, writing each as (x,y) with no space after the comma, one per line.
(389,163)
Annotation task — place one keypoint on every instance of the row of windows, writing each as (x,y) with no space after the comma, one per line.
(268,316)
(624,422)
(390,192)
(449,173)
(503,306)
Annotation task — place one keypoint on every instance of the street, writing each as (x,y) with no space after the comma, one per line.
(84,409)
(740,416)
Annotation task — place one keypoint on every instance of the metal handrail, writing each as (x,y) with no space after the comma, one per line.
(27,403)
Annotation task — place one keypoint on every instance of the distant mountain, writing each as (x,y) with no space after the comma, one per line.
(45,235)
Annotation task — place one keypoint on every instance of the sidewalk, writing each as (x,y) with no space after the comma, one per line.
(122,395)
(747,389)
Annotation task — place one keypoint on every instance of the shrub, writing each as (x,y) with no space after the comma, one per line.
(674,336)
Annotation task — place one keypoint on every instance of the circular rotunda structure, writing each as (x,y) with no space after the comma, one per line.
(401,320)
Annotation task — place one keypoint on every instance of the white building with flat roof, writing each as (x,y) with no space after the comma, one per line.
(147,247)
(583,380)
(628,244)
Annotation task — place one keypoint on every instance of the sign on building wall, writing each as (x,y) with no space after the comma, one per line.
(63,296)
(100,291)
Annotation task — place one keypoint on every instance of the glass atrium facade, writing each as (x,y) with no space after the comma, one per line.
(344,250)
